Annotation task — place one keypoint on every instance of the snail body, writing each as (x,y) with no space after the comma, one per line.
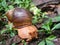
(22,20)
(19,17)
(28,32)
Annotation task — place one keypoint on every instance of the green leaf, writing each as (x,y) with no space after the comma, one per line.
(42,43)
(24,42)
(0,43)
(17,1)
(46,27)
(9,26)
(47,24)
(49,42)
(52,37)
(57,26)
(10,7)
(4,3)
(3,31)
(12,34)
(14,44)
(56,19)
(35,20)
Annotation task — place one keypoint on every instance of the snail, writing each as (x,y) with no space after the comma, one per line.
(22,21)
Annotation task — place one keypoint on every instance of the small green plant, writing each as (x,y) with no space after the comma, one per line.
(46,27)
(48,40)
(4,6)
(38,15)
(13,43)
(9,30)
(24,42)
(23,3)
(56,19)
